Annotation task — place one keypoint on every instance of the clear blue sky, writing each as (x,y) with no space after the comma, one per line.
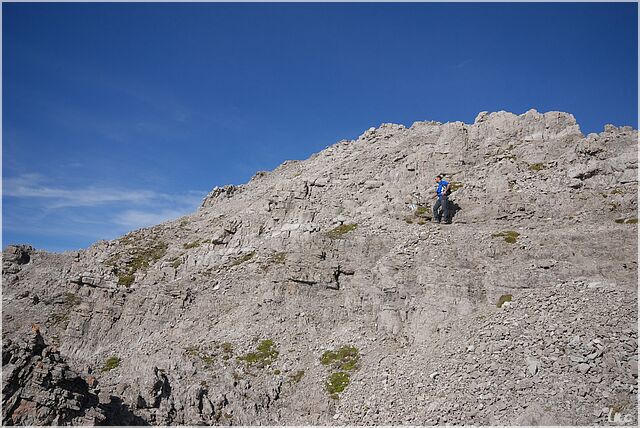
(117,116)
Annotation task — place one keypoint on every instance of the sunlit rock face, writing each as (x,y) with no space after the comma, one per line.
(323,293)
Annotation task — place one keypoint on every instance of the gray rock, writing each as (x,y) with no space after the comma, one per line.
(222,317)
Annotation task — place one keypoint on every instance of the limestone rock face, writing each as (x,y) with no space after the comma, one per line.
(38,388)
(322,293)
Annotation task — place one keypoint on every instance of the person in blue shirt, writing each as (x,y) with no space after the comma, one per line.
(441,207)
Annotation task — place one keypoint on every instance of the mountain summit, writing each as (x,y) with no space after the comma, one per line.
(323,293)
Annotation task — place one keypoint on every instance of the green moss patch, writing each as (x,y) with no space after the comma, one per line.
(110,364)
(265,355)
(141,257)
(536,167)
(193,244)
(344,358)
(207,358)
(279,258)
(503,299)
(510,236)
(421,210)
(337,383)
(126,279)
(340,231)
(244,258)
(340,361)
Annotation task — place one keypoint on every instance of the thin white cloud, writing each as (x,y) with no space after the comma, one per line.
(32,186)
(135,219)
(38,209)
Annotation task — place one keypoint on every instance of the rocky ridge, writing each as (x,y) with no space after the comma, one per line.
(230,315)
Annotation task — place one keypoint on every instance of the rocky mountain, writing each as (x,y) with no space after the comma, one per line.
(322,292)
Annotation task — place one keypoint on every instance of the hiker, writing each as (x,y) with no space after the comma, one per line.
(441,207)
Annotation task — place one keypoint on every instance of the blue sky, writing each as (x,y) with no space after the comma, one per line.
(117,116)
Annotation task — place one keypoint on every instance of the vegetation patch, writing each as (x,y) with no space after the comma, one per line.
(193,244)
(207,358)
(421,214)
(421,210)
(510,236)
(126,279)
(227,350)
(340,231)
(503,299)
(336,383)
(265,355)
(176,262)
(60,319)
(455,185)
(71,299)
(141,258)
(633,220)
(536,167)
(242,259)
(340,361)
(279,258)
(296,377)
(110,364)
(344,358)
(227,347)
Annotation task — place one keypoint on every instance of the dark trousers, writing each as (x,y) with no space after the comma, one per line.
(441,208)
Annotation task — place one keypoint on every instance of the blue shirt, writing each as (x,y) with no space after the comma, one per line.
(441,185)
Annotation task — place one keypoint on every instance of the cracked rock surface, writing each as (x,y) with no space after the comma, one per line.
(322,293)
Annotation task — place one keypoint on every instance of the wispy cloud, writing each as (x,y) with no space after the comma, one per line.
(32,186)
(35,208)
(135,219)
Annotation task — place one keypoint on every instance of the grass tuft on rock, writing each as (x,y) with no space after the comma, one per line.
(297,376)
(71,299)
(455,185)
(340,231)
(126,279)
(141,257)
(265,355)
(337,383)
(344,358)
(193,244)
(633,220)
(503,299)
(110,364)
(244,258)
(510,236)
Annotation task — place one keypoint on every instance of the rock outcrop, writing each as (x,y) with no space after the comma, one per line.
(38,388)
(322,293)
